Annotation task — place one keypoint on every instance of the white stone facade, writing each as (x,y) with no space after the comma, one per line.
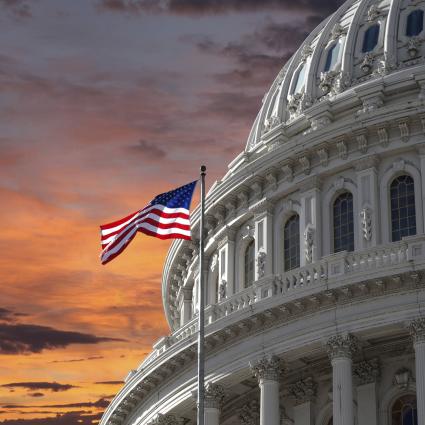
(298,330)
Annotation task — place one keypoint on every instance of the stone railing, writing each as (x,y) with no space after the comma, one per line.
(337,269)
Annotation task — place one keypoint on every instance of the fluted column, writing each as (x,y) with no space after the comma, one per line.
(214,396)
(266,371)
(417,330)
(340,349)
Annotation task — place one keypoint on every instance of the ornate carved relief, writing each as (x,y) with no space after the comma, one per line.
(222,290)
(306,51)
(214,395)
(383,136)
(362,142)
(165,420)
(402,378)
(308,243)
(272,122)
(323,154)
(366,223)
(261,263)
(341,346)
(305,164)
(337,31)
(303,390)
(367,371)
(413,45)
(367,63)
(404,130)
(417,330)
(266,368)
(373,13)
(249,414)
(288,171)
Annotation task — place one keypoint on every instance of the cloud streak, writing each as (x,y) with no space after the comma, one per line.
(51,386)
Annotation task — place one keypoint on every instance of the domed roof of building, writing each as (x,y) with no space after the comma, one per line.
(363,40)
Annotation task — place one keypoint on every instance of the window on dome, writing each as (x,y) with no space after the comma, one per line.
(415,23)
(343,223)
(291,243)
(403,214)
(216,289)
(249,264)
(332,57)
(404,411)
(299,85)
(370,39)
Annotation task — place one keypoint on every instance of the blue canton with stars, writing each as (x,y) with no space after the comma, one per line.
(177,198)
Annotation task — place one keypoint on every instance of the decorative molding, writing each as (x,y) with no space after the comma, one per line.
(306,51)
(266,368)
(367,63)
(342,346)
(337,31)
(402,378)
(362,142)
(303,390)
(214,396)
(222,290)
(373,13)
(366,371)
(366,163)
(288,171)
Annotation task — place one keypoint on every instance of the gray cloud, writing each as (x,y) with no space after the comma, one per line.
(51,386)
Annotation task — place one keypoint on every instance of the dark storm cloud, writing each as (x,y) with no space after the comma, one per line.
(7,315)
(69,418)
(100,404)
(35,395)
(148,150)
(51,386)
(23,339)
(213,7)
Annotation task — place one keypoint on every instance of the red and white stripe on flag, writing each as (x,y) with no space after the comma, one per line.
(155,220)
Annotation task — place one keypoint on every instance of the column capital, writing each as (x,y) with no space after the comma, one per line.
(417,330)
(214,395)
(303,390)
(367,371)
(266,368)
(341,346)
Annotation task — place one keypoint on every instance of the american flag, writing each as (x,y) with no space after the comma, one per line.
(165,217)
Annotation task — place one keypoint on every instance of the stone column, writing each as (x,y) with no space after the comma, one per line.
(366,373)
(185,304)
(340,349)
(303,392)
(266,370)
(214,397)
(417,330)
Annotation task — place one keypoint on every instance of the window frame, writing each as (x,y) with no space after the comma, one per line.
(288,219)
(335,199)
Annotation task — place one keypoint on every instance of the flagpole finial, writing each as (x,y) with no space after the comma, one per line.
(203,169)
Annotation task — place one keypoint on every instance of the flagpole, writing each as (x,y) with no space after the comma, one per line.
(201,331)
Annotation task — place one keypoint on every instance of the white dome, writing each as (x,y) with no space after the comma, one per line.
(362,41)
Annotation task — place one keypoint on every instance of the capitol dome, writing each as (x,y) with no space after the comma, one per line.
(315,247)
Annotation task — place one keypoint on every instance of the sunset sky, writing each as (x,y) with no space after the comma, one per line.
(103,105)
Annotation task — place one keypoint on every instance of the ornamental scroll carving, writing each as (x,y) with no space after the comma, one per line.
(214,395)
(266,368)
(222,290)
(366,223)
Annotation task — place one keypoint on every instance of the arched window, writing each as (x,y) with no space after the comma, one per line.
(299,85)
(404,411)
(415,23)
(343,223)
(403,214)
(291,243)
(332,57)
(370,39)
(249,264)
